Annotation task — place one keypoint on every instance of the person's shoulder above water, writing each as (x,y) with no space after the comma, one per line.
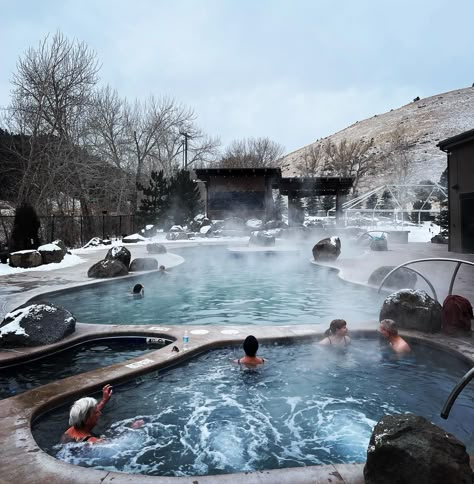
(250,348)
(336,334)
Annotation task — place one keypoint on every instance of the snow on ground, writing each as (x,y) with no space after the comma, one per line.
(68,261)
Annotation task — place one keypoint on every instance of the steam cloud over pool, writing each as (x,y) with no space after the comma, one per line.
(213,286)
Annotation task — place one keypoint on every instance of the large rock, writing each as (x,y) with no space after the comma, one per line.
(107,268)
(51,253)
(412,309)
(36,324)
(199,222)
(155,248)
(133,239)
(26,259)
(439,239)
(176,236)
(262,239)
(61,245)
(378,244)
(121,253)
(407,449)
(402,278)
(327,249)
(143,264)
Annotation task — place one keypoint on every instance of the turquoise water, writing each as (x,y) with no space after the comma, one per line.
(307,405)
(214,286)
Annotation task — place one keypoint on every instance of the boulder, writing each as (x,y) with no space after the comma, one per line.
(51,253)
(176,236)
(94,242)
(121,253)
(61,245)
(402,278)
(327,249)
(254,224)
(176,228)
(378,244)
(107,268)
(143,264)
(439,239)
(262,239)
(199,222)
(407,449)
(155,248)
(133,239)
(25,259)
(36,324)
(275,224)
(412,309)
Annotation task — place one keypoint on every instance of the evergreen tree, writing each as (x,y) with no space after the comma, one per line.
(312,205)
(371,202)
(298,210)
(155,202)
(184,198)
(443,218)
(423,216)
(387,202)
(26,225)
(327,202)
(280,207)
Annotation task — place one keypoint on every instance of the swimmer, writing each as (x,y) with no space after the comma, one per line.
(336,334)
(250,348)
(388,329)
(138,290)
(84,416)
(162,270)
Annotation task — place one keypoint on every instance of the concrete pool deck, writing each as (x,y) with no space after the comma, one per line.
(23,461)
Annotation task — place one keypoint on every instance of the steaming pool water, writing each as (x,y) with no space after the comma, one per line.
(307,405)
(213,286)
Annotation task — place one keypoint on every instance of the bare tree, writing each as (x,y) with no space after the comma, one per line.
(313,160)
(350,158)
(252,153)
(52,89)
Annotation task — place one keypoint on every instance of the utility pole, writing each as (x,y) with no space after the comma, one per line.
(185,148)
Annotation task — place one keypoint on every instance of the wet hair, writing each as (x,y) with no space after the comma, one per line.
(162,268)
(81,410)
(137,289)
(334,326)
(390,326)
(250,345)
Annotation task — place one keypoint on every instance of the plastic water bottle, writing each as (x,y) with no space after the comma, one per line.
(185,340)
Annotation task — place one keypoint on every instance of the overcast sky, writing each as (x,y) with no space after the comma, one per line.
(294,70)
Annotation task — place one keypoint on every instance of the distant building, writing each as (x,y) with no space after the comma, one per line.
(460,150)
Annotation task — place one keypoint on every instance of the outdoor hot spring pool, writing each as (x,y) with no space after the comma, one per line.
(213,286)
(307,405)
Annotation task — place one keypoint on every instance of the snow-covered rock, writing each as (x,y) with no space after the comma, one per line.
(36,324)
(327,249)
(25,259)
(121,253)
(133,239)
(107,268)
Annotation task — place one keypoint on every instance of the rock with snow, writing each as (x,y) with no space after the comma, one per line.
(409,449)
(94,242)
(155,248)
(204,230)
(107,268)
(439,239)
(61,245)
(199,222)
(51,253)
(176,228)
(121,253)
(176,236)
(25,259)
(36,324)
(254,224)
(401,278)
(262,239)
(275,224)
(133,239)
(143,264)
(412,309)
(327,249)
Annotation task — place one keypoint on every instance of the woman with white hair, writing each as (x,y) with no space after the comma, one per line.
(84,416)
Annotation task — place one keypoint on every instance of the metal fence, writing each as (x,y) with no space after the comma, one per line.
(74,231)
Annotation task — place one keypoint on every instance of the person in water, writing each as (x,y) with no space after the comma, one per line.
(138,290)
(250,348)
(84,415)
(162,270)
(336,335)
(388,329)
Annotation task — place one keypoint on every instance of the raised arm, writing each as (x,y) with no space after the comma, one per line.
(106,394)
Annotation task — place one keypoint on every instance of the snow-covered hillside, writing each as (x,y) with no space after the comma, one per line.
(425,122)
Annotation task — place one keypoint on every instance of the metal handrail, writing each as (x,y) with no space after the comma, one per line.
(455,393)
(459,262)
